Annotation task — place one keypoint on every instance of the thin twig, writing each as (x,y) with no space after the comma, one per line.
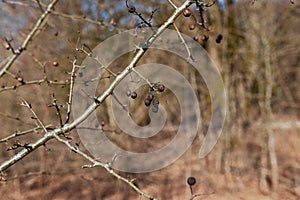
(25,103)
(119,102)
(142,77)
(54,104)
(20,133)
(34,82)
(104,67)
(190,56)
(106,166)
(172,4)
(73,75)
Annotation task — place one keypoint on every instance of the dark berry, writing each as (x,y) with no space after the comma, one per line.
(186,12)
(131,9)
(147,102)
(160,87)
(55,64)
(192,27)
(191,180)
(133,95)
(204,37)
(219,39)
(196,38)
(150,96)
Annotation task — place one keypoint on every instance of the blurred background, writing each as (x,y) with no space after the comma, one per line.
(258,153)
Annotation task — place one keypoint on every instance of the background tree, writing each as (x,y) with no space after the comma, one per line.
(259,60)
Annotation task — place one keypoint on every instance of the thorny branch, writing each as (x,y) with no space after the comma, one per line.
(98,100)
(29,37)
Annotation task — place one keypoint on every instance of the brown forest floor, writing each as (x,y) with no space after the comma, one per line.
(65,179)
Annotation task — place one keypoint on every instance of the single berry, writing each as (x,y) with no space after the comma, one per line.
(191,180)
(133,95)
(55,64)
(160,87)
(150,96)
(128,92)
(196,38)
(204,37)
(186,12)
(192,27)
(20,79)
(131,9)
(7,47)
(154,109)
(219,39)
(155,102)
(147,102)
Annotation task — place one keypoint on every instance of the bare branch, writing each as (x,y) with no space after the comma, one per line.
(106,166)
(73,75)
(29,37)
(172,4)
(68,127)
(34,82)
(190,57)
(20,133)
(25,103)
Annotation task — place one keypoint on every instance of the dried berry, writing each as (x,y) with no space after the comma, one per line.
(155,102)
(131,9)
(191,180)
(7,47)
(147,102)
(154,109)
(128,92)
(55,64)
(186,12)
(192,27)
(196,38)
(20,79)
(219,39)
(133,95)
(160,87)
(204,37)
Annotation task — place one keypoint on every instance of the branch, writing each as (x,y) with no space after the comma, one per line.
(106,166)
(73,75)
(68,127)
(20,133)
(29,37)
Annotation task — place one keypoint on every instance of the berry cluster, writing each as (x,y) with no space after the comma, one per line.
(202,23)
(133,94)
(151,96)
